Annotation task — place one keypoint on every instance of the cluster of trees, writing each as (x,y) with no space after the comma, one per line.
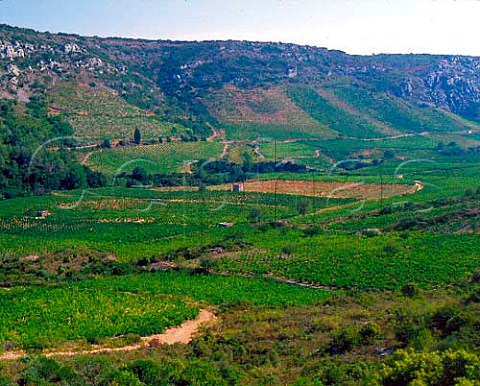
(406,367)
(454,149)
(101,371)
(33,157)
(356,165)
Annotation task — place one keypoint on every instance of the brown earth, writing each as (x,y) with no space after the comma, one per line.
(327,189)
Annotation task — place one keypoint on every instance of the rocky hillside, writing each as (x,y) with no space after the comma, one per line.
(247,88)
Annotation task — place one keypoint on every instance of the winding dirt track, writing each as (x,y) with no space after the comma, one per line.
(225,151)
(86,158)
(181,334)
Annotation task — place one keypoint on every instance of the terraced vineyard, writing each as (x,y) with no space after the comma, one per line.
(161,158)
(97,114)
(398,114)
(267,113)
(340,121)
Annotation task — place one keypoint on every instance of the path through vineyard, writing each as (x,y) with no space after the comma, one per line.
(181,334)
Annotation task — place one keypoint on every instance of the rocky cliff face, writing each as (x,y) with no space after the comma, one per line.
(454,83)
(451,83)
(178,74)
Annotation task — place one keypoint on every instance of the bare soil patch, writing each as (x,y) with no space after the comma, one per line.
(327,189)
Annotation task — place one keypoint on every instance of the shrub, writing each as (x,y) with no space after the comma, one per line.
(390,249)
(312,231)
(132,338)
(121,378)
(5,382)
(255,215)
(423,340)
(304,206)
(408,367)
(474,297)
(446,320)
(406,332)
(106,144)
(409,290)
(344,340)
(43,371)
(146,371)
(208,263)
(36,346)
(469,192)
(95,370)
(409,223)
(369,332)
(386,210)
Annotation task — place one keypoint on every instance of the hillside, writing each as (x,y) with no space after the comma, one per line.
(322,209)
(247,89)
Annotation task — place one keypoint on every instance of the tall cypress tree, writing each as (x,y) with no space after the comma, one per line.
(137,136)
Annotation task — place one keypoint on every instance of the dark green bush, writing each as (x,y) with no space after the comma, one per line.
(369,332)
(344,340)
(409,290)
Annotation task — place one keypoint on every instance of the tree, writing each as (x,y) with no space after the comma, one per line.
(139,174)
(146,371)
(75,178)
(137,136)
(106,144)
(22,170)
(247,162)
(95,179)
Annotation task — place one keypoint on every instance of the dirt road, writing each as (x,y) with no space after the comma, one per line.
(181,334)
